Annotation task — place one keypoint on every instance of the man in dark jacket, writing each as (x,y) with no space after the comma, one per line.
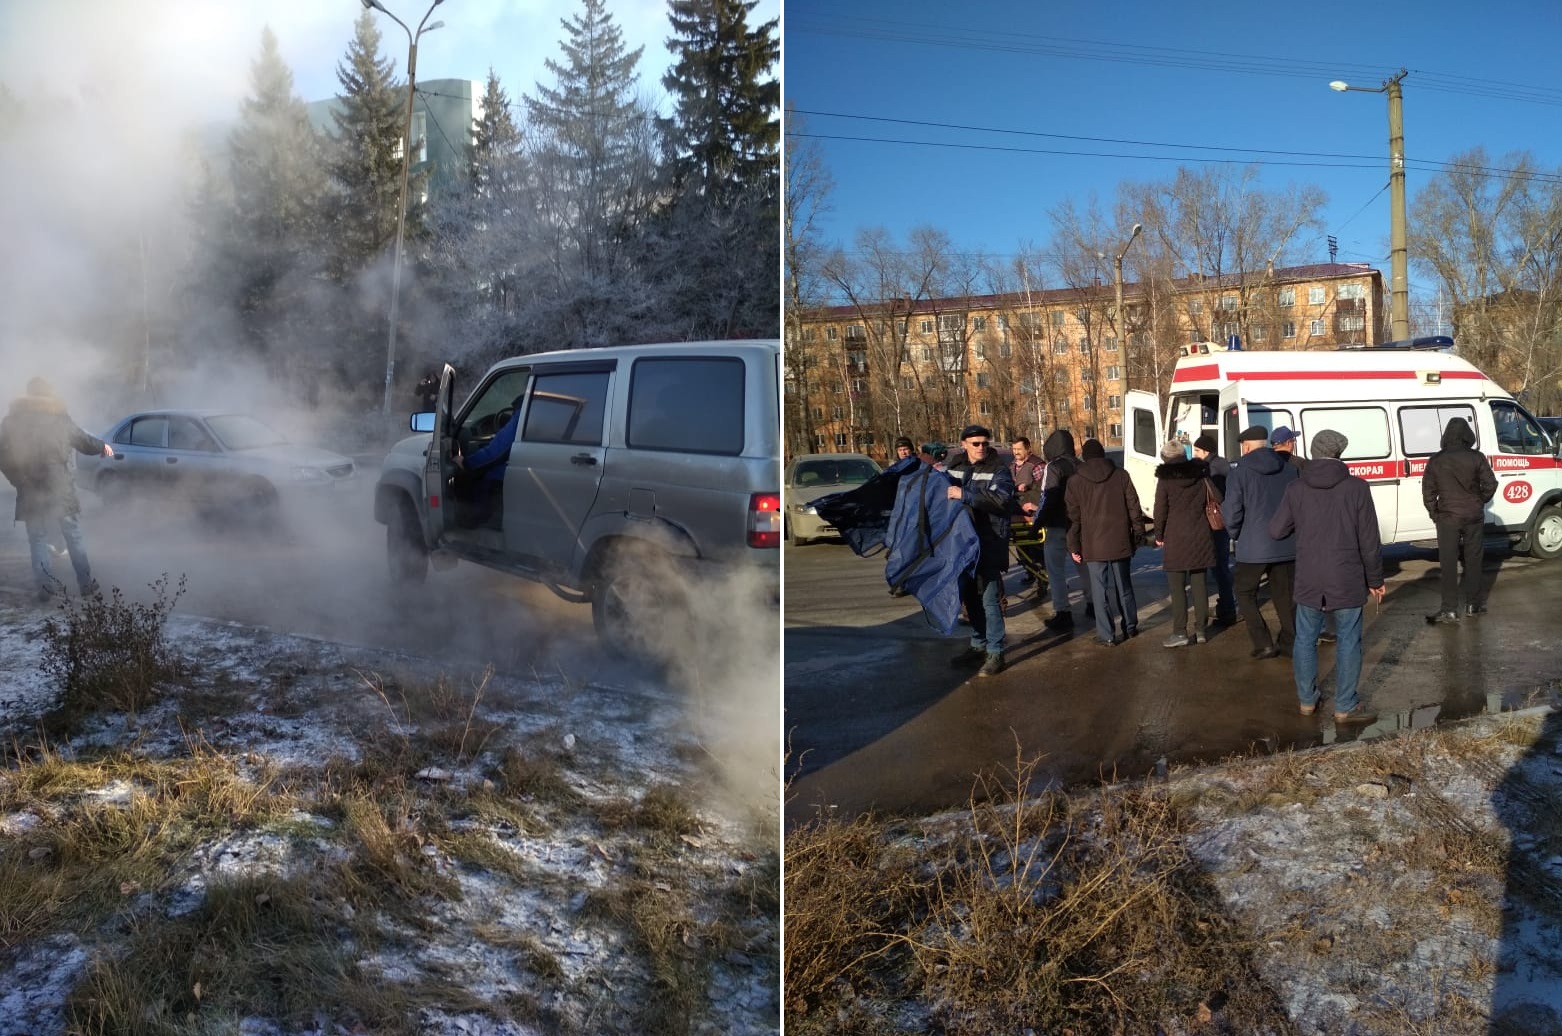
(982,481)
(1339,562)
(1052,519)
(1283,441)
(1106,523)
(36,438)
(1254,490)
(1205,449)
(1028,471)
(1456,488)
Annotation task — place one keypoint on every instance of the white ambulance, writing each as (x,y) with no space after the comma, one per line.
(1391,403)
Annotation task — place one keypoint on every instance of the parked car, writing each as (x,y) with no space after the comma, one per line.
(816,475)
(216,462)
(633,469)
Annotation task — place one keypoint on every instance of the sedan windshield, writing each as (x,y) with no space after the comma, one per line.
(834,472)
(242,432)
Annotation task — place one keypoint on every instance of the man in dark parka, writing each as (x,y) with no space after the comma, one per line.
(983,482)
(1456,488)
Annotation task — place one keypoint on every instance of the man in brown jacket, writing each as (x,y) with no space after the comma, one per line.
(36,438)
(1106,523)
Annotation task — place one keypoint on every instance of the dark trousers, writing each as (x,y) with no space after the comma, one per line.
(1225,603)
(1453,540)
(1178,582)
(1282,581)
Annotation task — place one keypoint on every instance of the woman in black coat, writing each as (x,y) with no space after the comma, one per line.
(1182,532)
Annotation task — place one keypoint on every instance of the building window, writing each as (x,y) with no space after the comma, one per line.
(980,323)
(830,333)
(908,383)
(900,328)
(809,334)
(984,408)
(859,386)
(1258,332)
(855,332)
(1195,306)
(1228,303)
(865,438)
(1003,323)
(1114,431)
(1060,347)
(1315,328)
(1351,291)
(1060,376)
(951,322)
(905,354)
(818,440)
(1114,402)
(840,440)
(1114,372)
(927,354)
(818,413)
(981,380)
(837,412)
(981,350)
(926,327)
(1111,344)
(858,359)
(1057,318)
(1086,403)
(1287,298)
(1288,329)
(1084,346)
(1315,295)
(1194,335)
(838,387)
(1086,374)
(1352,322)
(1004,350)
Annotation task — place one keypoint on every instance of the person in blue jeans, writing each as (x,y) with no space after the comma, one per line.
(983,482)
(1106,523)
(1339,564)
(1051,516)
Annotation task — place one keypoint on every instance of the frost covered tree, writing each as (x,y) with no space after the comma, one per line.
(717,246)
(591,145)
(269,239)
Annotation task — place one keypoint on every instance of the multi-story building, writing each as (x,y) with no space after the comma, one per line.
(443,111)
(1025,363)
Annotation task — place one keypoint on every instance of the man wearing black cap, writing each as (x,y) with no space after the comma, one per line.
(1253,494)
(982,481)
(904,448)
(1339,564)
(1205,449)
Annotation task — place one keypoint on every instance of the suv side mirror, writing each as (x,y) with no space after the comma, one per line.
(423,422)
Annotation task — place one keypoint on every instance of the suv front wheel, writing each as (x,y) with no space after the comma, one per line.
(404,549)
(639,604)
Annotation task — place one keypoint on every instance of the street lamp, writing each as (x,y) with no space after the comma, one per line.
(1117,281)
(401,209)
(1399,288)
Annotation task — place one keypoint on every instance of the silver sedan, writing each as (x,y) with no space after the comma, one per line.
(816,475)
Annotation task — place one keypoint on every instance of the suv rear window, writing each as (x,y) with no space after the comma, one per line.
(691,404)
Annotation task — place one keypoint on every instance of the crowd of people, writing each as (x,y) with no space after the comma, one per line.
(1305,531)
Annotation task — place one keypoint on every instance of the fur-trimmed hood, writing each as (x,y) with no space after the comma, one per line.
(1189,470)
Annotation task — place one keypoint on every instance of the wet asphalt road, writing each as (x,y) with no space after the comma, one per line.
(876,717)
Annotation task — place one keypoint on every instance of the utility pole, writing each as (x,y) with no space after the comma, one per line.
(1399,275)
(1118,324)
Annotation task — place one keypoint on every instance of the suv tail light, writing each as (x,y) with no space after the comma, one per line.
(764,520)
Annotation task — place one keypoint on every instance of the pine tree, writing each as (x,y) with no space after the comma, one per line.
(496,140)
(592,146)
(366,164)
(716,247)
(723,135)
(271,237)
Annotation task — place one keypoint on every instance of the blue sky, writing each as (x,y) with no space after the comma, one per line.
(191,58)
(1217,74)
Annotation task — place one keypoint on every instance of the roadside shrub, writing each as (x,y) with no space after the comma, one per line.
(106,652)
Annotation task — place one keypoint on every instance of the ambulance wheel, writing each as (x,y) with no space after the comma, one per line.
(1545,536)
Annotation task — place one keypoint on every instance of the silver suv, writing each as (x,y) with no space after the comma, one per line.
(632,468)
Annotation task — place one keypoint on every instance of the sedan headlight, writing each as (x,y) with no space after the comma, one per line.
(808,509)
(310,475)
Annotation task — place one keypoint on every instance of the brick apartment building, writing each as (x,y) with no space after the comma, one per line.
(1026,363)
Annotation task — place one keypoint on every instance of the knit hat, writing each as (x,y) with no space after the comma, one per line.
(1254,433)
(1205,443)
(1281,435)
(1091,450)
(40,387)
(1171,451)
(907,443)
(973,431)
(1329,443)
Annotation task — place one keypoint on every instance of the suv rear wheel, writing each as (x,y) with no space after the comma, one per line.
(404,549)
(639,604)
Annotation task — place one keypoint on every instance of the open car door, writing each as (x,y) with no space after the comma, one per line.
(1142,438)
(437,468)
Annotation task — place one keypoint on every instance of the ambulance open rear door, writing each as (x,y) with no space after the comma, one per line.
(1142,438)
